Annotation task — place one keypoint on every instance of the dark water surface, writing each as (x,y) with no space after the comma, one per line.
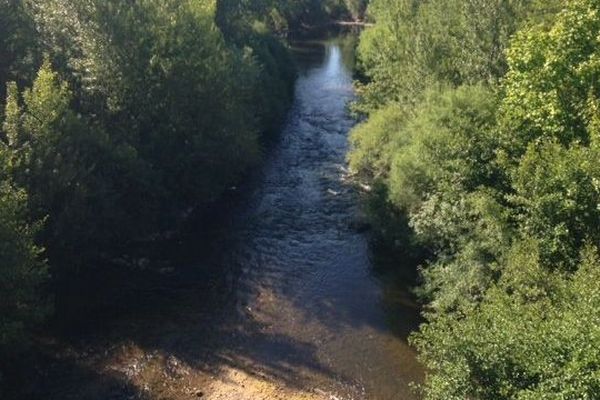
(308,278)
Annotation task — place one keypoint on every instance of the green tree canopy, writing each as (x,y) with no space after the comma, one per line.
(22,270)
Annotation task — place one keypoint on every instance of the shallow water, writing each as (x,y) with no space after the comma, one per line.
(321,315)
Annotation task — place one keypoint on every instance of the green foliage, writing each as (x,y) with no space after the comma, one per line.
(18,44)
(167,83)
(443,144)
(557,197)
(470,233)
(449,144)
(375,141)
(436,161)
(160,79)
(141,112)
(70,168)
(283,16)
(243,24)
(536,334)
(416,44)
(497,175)
(21,270)
(549,133)
(551,81)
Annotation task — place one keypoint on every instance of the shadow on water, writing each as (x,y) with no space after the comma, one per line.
(283,287)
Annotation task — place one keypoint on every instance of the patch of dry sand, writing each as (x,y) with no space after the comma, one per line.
(238,385)
(160,377)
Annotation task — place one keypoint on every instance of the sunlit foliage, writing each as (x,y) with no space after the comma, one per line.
(416,44)
(483,134)
(535,335)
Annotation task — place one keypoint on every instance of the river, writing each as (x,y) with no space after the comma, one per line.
(308,279)
(283,297)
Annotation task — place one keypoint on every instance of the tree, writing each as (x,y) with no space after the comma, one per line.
(19,51)
(418,44)
(526,330)
(22,270)
(162,79)
(140,112)
(535,335)
(549,133)
(499,181)
(551,85)
(71,170)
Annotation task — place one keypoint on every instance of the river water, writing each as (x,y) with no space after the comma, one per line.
(308,286)
(286,287)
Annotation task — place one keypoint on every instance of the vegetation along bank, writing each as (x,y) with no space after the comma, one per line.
(481,142)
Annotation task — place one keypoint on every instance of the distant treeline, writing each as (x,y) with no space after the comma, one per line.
(117,118)
(482,145)
(284,16)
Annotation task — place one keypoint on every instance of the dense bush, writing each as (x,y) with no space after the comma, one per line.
(22,270)
(415,45)
(18,45)
(483,134)
(162,79)
(243,23)
(118,119)
(535,335)
(71,168)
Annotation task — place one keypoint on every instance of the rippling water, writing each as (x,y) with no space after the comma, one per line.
(320,315)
